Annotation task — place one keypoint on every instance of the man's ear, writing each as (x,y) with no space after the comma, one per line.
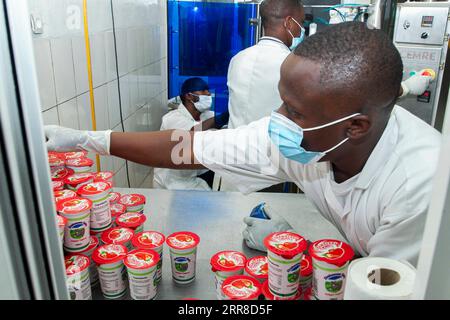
(287,22)
(359,127)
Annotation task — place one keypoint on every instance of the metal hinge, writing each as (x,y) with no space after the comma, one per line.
(446,37)
(441,66)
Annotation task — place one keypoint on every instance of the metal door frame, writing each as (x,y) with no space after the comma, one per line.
(35,248)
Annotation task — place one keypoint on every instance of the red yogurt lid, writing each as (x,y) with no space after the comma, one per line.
(64,194)
(103,176)
(132,200)
(285,244)
(331,251)
(118,235)
(74,155)
(60,174)
(93,243)
(117,209)
(79,162)
(131,220)
(93,188)
(241,287)
(306,267)
(55,162)
(57,185)
(114,197)
(148,240)
(54,155)
(73,206)
(258,267)
(109,253)
(228,261)
(76,263)
(142,259)
(183,240)
(78,178)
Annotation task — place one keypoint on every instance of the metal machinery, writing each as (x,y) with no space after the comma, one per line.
(421,36)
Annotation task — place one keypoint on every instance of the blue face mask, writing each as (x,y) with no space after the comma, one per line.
(288,136)
(297,40)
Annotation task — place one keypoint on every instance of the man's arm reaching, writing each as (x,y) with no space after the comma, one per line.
(166,149)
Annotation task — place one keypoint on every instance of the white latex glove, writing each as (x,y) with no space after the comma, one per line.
(416,84)
(62,139)
(258,229)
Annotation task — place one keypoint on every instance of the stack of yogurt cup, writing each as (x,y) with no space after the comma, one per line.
(330,259)
(93,274)
(98,193)
(141,266)
(78,282)
(132,220)
(225,264)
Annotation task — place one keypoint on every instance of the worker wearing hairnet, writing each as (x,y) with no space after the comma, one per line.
(193,113)
(366,163)
(254,73)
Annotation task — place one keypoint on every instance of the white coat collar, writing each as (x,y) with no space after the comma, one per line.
(184,111)
(380,154)
(273,40)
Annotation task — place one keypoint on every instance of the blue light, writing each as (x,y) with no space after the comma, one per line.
(195,9)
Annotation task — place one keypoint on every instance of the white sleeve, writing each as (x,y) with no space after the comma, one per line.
(244,157)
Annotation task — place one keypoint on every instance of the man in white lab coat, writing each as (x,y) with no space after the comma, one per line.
(193,113)
(366,163)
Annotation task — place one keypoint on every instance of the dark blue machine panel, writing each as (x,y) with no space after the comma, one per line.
(203,37)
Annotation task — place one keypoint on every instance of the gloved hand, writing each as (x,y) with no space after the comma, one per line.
(222,119)
(416,84)
(258,229)
(62,139)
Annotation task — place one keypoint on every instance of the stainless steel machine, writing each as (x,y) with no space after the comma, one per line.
(421,35)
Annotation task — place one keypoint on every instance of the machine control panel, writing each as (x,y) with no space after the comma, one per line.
(421,25)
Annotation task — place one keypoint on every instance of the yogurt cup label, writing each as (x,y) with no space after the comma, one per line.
(57,185)
(60,174)
(114,197)
(182,241)
(73,206)
(76,264)
(74,155)
(94,188)
(258,266)
(131,200)
(103,176)
(229,260)
(79,162)
(149,240)
(64,194)
(183,267)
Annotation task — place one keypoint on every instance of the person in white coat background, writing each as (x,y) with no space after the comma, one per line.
(193,113)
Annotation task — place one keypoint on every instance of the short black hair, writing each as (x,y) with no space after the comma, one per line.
(272,11)
(355,58)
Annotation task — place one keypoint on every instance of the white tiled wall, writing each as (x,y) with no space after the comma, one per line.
(60,52)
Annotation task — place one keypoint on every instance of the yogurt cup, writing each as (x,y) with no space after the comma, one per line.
(60,174)
(77,271)
(61,225)
(55,163)
(77,180)
(64,194)
(285,251)
(80,165)
(132,220)
(258,268)
(104,176)
(183,256)
(98,193)
(116,210)
(306,272)
(141,266)
(114,198)
(134,202)
(54,155)
(57,185)
(330,259)
(111,270)
(225,264)
(118,235)
(241,287)
(93,273)
(77,211)
(151,240)
(269,296)
(73,155)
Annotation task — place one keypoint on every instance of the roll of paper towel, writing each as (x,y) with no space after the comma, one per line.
(374,278)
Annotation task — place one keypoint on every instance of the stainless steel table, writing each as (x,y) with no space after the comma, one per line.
(217,218)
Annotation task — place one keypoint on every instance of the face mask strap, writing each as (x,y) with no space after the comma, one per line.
(332,123)
(336,146)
